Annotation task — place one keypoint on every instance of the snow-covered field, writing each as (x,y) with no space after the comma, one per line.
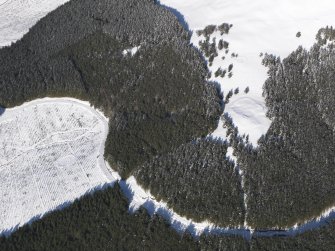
(259,26)
(18,16)
(51,150)
(51,153)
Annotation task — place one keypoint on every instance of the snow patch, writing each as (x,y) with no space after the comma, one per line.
(18,16)
(248,112)
(259,26)
(51,153)
(131,51)
(139,197)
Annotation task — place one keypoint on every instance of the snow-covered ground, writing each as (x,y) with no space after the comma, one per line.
(139,197)
(249,114)
(131,51)
(259,26)
(48,166)
(18,16)
(51,153)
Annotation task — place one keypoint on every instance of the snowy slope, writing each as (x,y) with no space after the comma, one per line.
(17,16)
(51,153)
(259,26)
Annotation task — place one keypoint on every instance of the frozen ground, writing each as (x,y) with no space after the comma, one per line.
(18,16)
(51,153)
(139,197)
(259,26)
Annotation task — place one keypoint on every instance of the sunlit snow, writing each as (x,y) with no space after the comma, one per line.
(259,26)
(50,157)
(18,16)
(51,152)
(131,51)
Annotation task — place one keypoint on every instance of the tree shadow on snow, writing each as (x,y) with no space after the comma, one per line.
(179,16)
(2,110)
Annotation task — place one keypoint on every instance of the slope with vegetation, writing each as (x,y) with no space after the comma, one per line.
(290,177)
(158,101)
(102,222)
(197,180)
(77,51)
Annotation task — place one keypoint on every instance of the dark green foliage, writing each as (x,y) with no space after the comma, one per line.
(324,76)
(228,96)
(320,239)
(149,97)
(225,45)
(224,28)
(218,72)
(99,222)
(325,34)
(102,222)
(211,59)
(290,177)
(230,67)
(209,29)
(208,48)
(197,180)
(220,44)
(223,243)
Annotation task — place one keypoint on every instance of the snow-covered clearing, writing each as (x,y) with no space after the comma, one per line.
(139,197)
(259,26)
(131,51)
(18,16)
(51,153)
(43,168)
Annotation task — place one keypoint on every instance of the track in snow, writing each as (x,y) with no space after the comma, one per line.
(51,153)
(258,27)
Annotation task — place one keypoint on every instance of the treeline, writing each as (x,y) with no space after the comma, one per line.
(320,239)
(149,98)
(289,178)
(102,222)
(197,181)
(210,47)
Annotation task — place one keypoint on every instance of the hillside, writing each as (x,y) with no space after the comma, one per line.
(131,125)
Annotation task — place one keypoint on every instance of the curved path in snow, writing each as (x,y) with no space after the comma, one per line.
(18,16)
(61,143)
(50,155)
